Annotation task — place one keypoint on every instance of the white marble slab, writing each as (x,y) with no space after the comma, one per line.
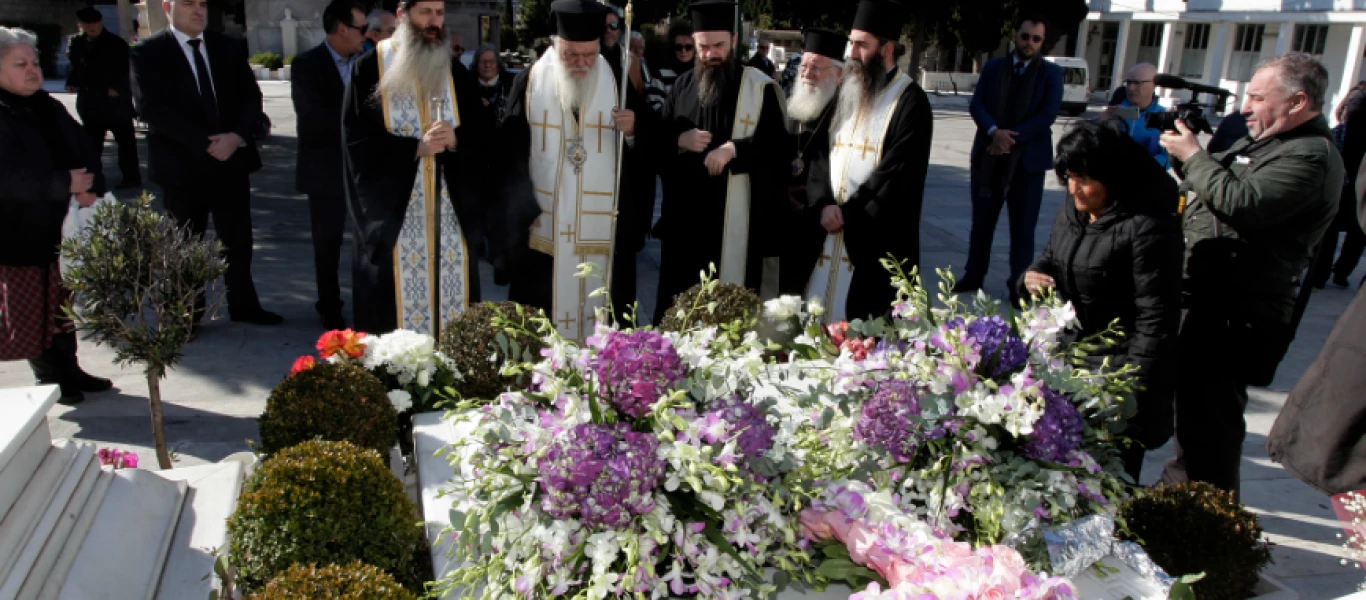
(66,559)
(202,528)
(53,508)
(14,476)
(23,517)
(430,434)
(64,533)
(21,411)
(125,550)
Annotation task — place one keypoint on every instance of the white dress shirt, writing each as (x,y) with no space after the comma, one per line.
(185,47)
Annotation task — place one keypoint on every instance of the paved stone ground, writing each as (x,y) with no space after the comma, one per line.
(215,394)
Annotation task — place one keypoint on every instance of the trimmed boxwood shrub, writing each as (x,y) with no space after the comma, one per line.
(1194,528)
(329,402)
(712,304)
(326,503)
(471,339)
(355,581)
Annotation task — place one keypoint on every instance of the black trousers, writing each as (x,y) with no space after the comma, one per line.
(124,137)
(1023,199)
(1352,248)
(1210,400)
(226,196)
(327,216)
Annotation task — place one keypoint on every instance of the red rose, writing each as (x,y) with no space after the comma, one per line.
(345,341)
(303,363)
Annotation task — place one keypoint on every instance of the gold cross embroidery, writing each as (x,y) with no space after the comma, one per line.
(545,127)
(568,233)
(865,148)
(567,321)
(599,127)
(848,265)
(747,123)
(821,262)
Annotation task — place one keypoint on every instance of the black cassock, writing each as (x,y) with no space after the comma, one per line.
(380,168)
(531,273)
(692,219)
(803,233)
(882,217)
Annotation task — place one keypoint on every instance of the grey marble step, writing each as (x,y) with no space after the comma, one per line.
(82,467)
(24,438)
(123,554)
(22,519)
(68,533)
(201,530)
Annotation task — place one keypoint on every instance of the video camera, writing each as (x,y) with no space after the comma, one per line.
(1193,112)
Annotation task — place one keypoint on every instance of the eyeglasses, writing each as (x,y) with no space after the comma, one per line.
(1136,82)
(614,26)
(683,47)
(362,28)
(1025,37)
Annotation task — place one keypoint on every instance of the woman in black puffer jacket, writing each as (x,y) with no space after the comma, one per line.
(1115,252)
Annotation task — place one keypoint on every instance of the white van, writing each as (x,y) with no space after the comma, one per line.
(1076,79)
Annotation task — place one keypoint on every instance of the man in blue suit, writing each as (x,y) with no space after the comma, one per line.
(1015,103)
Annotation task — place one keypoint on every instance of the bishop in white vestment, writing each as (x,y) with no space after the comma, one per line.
(411,131)
(869,187)
(562,135)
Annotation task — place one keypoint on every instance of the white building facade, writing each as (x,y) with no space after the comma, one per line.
(1219,42)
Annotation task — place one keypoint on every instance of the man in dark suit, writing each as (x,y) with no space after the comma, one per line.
(99,78)
(760,60)
(201,104)
(1015,103)
(319,82)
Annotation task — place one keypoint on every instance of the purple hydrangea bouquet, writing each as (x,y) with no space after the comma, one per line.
(640,464)
(976,421)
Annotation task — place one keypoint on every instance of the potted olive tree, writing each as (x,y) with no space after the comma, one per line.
(136,278)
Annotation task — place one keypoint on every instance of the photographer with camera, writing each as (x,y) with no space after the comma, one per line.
(1253,216)
(1140,100)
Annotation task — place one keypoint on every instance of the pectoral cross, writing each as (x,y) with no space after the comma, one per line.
(568,233)
(747,123)
(865,148)
(599,127)
(567,321)
(821,262)
(545,127)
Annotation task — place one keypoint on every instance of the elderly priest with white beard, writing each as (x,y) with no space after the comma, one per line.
(561,198)
(870,186)
(412,131)
(810,111)
(725,151)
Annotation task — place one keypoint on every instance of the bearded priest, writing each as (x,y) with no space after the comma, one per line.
(809,113)
(412,131)
(561,199)
(870,186)
(726,153)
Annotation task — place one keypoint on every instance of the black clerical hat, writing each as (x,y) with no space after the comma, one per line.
(89,15)
(713,15)
(407,4)
(580,20)
(882,18)
(825,42)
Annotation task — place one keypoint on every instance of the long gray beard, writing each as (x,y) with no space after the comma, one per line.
(808,102)
(418,66)
(712,80)
(574,93)
(862,83)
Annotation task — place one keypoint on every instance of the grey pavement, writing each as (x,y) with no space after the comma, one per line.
(213,397)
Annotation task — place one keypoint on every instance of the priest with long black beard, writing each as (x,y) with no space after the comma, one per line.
(561,206)
(724,146)
(412,131)
(809,113)
(870,186)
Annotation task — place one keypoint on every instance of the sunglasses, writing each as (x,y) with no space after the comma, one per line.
(362,28)
(1136,82)
(1037,39)
(682,47)
(614,26)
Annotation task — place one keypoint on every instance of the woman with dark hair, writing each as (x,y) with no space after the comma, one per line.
(45,160)
(1115,253)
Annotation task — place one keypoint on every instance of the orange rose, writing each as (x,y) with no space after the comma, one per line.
(303,363)
(345,341)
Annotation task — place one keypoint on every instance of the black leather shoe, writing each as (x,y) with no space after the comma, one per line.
(87,383)
(965,285)
(334,322)
(259,316)
(1340,281)
(70,394)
